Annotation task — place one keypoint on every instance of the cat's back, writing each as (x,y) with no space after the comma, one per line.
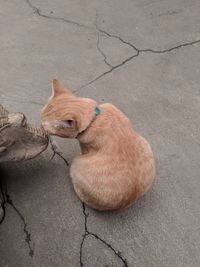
(120,170)
(114,121)
(113,132)
(111,110)
(121,129)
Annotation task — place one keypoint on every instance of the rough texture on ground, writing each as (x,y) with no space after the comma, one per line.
(144,57)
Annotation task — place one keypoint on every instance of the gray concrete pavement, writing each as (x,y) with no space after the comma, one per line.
(144,57)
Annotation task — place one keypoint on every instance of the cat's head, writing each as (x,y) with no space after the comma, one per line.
(65,114)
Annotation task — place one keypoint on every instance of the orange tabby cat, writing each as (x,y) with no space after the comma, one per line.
(116,165)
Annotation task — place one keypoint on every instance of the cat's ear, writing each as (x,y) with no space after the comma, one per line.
(70,123)
(58,88)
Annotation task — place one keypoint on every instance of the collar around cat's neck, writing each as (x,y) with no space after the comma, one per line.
(97,113)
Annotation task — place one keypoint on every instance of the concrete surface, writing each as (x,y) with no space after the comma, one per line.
(143,56)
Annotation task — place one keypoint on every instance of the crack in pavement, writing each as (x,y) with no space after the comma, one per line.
(88,233)
(106,72)
(169,49)
(138,52)
(102,53)
(119,38)
(98,43)
(6,200)
(40,14)
(56,151)
(112,68)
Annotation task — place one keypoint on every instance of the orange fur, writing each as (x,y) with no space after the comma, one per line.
(116,165)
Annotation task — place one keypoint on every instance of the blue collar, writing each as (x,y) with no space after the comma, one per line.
(97,111)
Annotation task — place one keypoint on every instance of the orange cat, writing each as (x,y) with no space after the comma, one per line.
(116,165)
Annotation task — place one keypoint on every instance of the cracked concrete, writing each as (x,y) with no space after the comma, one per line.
(143,56)
(37,11)
(136,54)
(6,200)
(101,51)
(87,234)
